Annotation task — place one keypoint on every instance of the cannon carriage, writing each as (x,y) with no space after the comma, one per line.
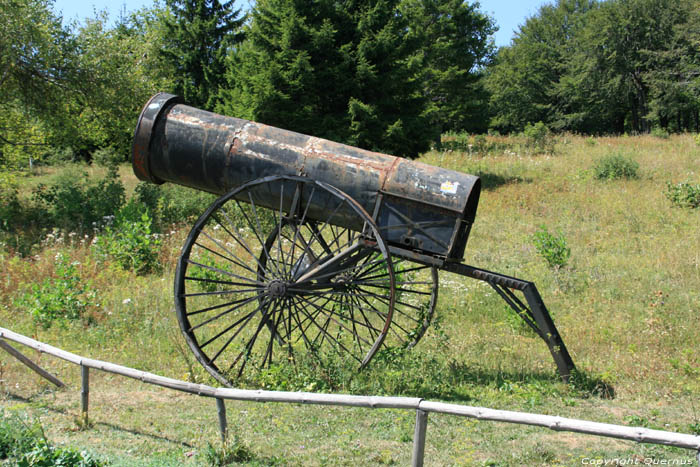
(314,249)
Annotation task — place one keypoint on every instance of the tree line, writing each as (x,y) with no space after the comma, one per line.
(386,75)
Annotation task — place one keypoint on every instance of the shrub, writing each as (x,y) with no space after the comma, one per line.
(684,194)
(9,202)
(658,132)
(61,298)
(172,204)
(553,249)
(107,157)
(538,138)
(130,241)
(614,167)
(26,445)
(59,156)
(208,277)
(19,219)
(74,203)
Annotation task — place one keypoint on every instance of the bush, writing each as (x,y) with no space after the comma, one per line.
(172,204)
(614,167)
(19,219)
(60,156)
(74,203)
(26,445)
(9,202)
(61,298)
(553,249)
(130,241)
(538,138)
(658,132)
(684,194)
(107,157)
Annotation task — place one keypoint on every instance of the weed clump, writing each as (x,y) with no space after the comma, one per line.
(62,298)
(684,194)
(553,248)
(26,444)
(130,241)
(615,167)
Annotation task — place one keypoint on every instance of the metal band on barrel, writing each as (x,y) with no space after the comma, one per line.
(144,130)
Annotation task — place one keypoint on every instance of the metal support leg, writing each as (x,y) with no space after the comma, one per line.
(551,336)
(85,392)
(535,314)
(419,438)
(221,409)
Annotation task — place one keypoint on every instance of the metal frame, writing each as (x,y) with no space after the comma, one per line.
(532,309)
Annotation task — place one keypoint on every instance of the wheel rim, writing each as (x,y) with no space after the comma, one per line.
(255,287)
(415,298)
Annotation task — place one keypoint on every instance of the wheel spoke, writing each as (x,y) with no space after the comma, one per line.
(277,255)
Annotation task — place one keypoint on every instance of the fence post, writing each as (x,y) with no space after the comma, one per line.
(85,392)
(221,409)
(419,438)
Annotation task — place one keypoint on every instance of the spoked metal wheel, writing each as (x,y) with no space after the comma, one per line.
(415,299)
(415,285)
(280,267)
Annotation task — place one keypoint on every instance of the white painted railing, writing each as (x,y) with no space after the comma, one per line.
(422,407)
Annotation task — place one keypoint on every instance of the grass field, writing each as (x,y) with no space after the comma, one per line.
(627,304)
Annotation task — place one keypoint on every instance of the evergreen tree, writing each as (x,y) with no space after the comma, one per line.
(199,34)
(346,71)
(456,46)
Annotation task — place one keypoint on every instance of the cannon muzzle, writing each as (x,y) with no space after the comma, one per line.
(416,206)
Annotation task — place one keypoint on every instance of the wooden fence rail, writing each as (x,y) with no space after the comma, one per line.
(422,407)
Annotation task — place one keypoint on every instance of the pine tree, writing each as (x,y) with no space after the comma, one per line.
(199,35)
(456,46)
(346,71)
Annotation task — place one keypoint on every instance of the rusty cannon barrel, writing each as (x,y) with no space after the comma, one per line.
(416,206)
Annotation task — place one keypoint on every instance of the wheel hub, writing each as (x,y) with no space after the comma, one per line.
(277,289)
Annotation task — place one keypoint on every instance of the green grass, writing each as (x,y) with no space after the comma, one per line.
(627,305)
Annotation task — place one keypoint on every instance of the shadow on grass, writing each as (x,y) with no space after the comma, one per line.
(459,382)
(491,181)
(32,402)
(587,383)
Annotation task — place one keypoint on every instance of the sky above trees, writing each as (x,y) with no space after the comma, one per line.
(509,14)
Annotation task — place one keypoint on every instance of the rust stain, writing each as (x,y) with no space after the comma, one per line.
(391,170)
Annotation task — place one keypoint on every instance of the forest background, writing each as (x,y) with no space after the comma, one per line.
(385,75)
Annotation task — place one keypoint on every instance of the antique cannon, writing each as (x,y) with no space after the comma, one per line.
(315,249)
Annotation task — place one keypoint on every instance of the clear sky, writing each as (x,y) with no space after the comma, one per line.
(509,14)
